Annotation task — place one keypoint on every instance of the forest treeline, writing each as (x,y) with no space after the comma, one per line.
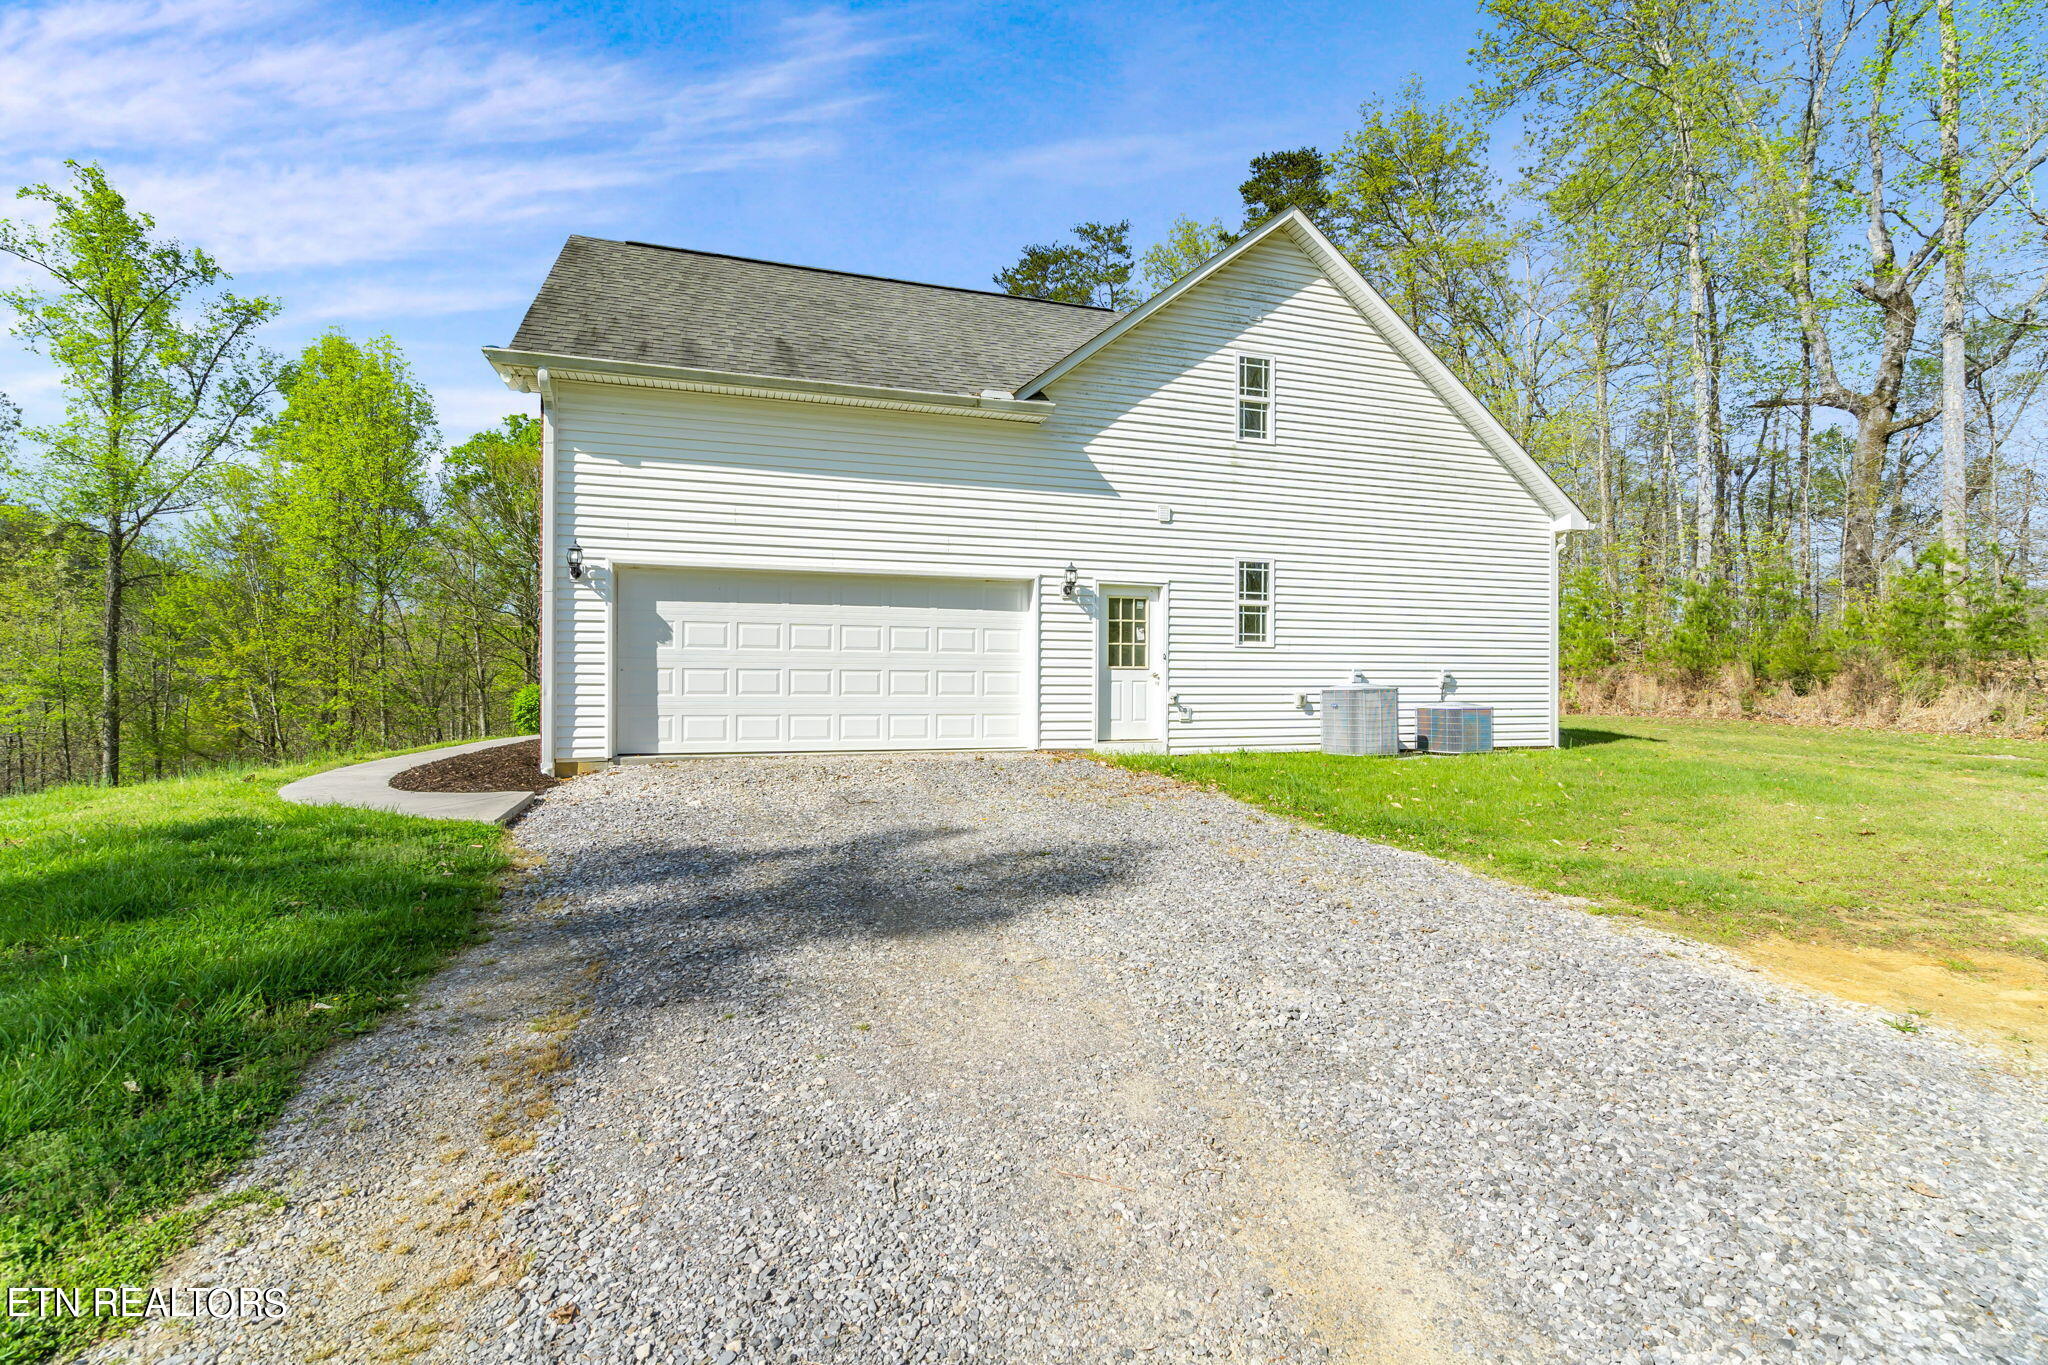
(1766,294)
(221,555)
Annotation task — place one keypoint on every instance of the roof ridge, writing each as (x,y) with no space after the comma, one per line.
(849,274)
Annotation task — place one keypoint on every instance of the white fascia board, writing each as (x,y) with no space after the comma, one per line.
(1566,514)
(517,369)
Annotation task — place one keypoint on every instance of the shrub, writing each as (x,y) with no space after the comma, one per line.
(526,709)
(1796,655)
(1996,625)
(1702,639)
(1588,626)
(1914,619)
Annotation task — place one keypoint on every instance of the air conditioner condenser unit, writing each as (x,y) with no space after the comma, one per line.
(1445,728)
(1361,719)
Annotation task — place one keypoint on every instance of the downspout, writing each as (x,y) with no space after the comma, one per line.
(1560,527)
(544,386)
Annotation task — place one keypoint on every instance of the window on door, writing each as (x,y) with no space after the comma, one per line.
(1255,601)
(1127,647)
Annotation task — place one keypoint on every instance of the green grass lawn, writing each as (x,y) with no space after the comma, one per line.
(171,956)
(1726,830)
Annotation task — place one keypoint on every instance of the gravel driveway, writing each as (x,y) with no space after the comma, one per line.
(1019,1059)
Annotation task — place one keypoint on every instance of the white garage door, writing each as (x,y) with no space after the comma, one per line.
(722,662)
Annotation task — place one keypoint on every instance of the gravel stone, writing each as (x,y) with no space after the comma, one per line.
(1020,1058)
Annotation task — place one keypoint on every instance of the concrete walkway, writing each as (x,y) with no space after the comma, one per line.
(369,785)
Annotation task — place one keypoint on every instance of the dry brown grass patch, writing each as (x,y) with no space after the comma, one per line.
(1861,696)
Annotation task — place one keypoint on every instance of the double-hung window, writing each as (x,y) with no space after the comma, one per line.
(1255,601)
(1254,398)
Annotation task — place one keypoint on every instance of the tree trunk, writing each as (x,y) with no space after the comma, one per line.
(1808,578)
(1706,475)
(1674,521)
(2023,544)
(1984,482)
(1863,497)
(1955,496)
(1774,452)
(1603,434)
(111,611)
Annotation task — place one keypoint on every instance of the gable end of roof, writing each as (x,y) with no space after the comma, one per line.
(1566,514)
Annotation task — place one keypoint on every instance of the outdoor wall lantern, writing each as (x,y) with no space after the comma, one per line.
(1072,581)
(575,561)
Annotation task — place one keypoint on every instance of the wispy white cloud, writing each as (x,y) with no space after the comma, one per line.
(35,388)
(403,172)
(1116,160)
(308,134)
(266,216)
(464,410)
(378,302)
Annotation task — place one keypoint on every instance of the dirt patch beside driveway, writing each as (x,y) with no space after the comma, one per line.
(506,768)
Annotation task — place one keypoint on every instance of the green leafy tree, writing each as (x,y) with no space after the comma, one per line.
(1646,78)
(1417,210)
(1927,190)
(1186,245)
(489,529)
(233,604)
(1780,637)
(162,378)
(1297,178)
(1096,269)
(48,664)
(347,463)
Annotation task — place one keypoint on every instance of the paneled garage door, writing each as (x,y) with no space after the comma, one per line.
(722,662)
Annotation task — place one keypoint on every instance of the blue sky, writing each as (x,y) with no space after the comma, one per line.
(412,168)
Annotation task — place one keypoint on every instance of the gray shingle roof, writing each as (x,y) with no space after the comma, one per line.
(667,306)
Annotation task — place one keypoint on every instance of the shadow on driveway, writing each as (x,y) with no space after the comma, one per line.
(687,921)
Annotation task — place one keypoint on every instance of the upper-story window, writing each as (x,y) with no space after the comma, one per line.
(1254,398)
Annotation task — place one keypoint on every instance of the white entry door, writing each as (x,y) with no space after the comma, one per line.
(725,661)
(1130,652)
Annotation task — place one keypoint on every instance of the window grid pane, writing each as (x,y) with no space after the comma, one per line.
(1254,377)
(1254,601)
(1251,420)
(1126,632)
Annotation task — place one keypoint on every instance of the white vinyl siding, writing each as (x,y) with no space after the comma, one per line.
(1408,548)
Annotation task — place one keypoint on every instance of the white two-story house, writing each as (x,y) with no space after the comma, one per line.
(789,509)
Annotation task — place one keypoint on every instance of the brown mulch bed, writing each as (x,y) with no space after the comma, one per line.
(507,768)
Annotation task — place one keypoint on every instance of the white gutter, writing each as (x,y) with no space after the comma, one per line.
(519,370)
